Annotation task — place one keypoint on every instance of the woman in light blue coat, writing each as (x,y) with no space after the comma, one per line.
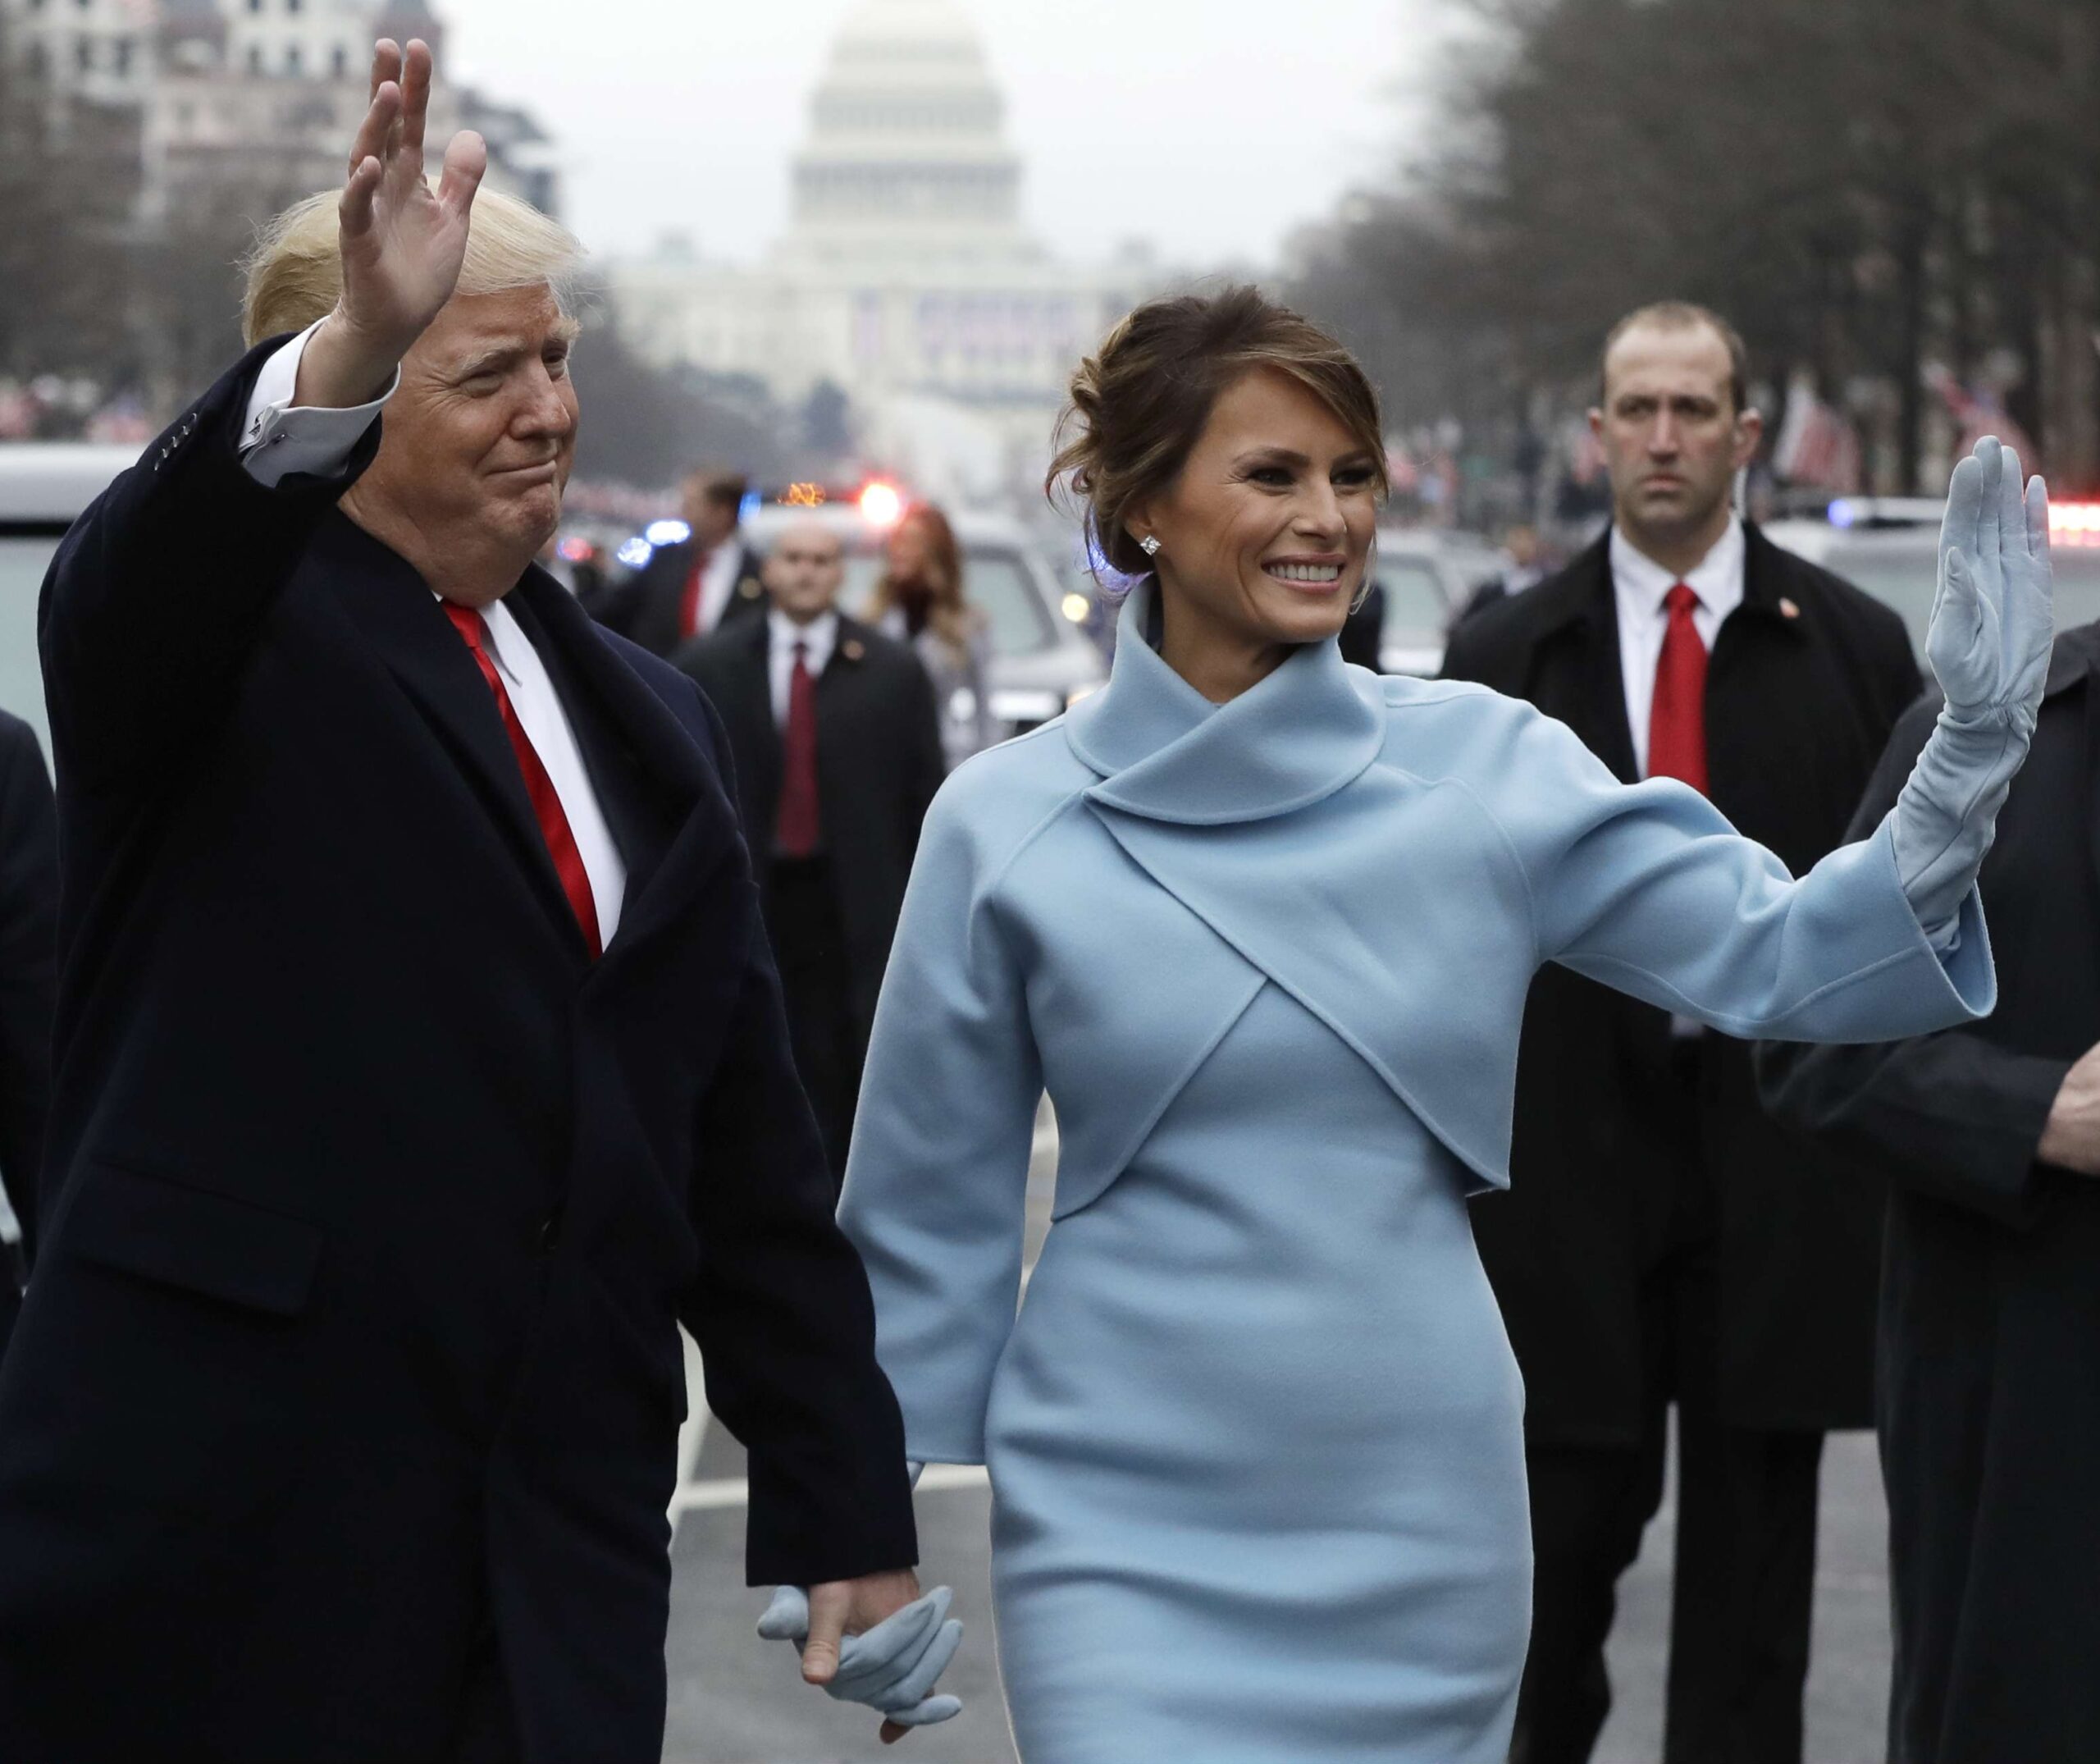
(1262,925)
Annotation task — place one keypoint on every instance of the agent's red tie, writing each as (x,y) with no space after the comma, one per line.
(800,828)
(689,604)
(1677,720)
(546,803)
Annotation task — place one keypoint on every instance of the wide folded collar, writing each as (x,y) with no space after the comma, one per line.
(1165,751)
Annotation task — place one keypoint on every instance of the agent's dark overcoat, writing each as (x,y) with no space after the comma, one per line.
(878,764)
(372,1201)
(647,606)
(1799,706)
(1990,1315)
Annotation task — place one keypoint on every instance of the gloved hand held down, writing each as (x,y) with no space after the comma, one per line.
(893,1667)
(1990,649)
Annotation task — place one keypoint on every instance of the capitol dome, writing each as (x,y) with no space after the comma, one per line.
(906,130)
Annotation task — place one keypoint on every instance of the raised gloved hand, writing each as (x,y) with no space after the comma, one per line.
(892,1668)
(1990,649)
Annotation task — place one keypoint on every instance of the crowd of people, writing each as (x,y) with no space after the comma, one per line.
(456,980)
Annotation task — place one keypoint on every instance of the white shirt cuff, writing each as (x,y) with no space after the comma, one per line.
(280,440)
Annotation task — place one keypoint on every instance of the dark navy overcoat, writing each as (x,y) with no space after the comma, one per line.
(372,1201)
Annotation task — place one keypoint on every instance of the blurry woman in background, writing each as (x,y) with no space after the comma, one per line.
(920,600)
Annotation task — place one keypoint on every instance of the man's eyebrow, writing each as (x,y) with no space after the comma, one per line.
(487,360)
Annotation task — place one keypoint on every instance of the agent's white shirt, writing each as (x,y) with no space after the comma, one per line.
(280,439)
(819,637)
(717,583)
(1640,585)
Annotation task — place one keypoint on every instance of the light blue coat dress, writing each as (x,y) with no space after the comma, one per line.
(1255,1439)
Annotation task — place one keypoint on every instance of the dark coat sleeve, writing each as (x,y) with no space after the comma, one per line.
(781,1310)
(154,602)
(1953,1115)
(925,757)
(29,905)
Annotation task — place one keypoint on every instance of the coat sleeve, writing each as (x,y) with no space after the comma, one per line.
(156,598)
(29,905)
(1955,1115)
(936,1183)
(1647,888)
(780,1308)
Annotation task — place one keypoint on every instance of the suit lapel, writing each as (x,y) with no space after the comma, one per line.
(394,610)
(753,711)
(682,822)
(634,810)
(1579,620)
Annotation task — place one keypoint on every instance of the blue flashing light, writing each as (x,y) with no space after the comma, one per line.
(636,553)
(749,506)
(661,533)
(1844,512)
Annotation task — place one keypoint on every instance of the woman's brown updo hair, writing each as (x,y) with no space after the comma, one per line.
(1140,404)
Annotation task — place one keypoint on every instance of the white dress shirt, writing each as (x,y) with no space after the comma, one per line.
(819,637)
(1642,586)
(280,439)
(718,583)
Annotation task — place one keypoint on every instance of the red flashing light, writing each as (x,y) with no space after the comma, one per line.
(2074,522)
(882,505)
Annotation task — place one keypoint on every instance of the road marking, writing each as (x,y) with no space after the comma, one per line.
(733,1491)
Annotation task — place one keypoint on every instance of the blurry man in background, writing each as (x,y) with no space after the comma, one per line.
(837,748)
(697,586)
(29,907)
(1663,1241)
(1989,1393)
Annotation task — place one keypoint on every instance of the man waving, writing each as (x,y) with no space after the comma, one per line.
(421,1066)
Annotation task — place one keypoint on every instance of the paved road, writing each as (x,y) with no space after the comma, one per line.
(736,1701)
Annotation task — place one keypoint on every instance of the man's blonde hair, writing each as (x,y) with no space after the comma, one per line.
(295,273)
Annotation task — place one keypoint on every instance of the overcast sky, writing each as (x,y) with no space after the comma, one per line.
(1212,126)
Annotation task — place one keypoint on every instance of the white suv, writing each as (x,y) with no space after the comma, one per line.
(43,487)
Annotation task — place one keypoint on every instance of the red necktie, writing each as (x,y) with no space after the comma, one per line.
(1677,721)
(800,826)
(546,803)
(689,609)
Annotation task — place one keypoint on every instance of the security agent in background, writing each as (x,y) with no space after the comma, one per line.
(836,743)
(705,583)
(1663,1241)
(1989,1399)
(28,904)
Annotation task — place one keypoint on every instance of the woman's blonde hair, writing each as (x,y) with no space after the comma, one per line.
(949,614)
(295,273)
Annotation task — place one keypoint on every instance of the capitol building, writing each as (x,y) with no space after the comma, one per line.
(905,278)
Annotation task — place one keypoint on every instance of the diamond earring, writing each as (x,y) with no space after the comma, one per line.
(1150,545)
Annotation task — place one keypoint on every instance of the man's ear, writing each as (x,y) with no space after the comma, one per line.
(1749,433)
(1597,422)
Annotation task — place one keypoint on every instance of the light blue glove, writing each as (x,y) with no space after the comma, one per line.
(893,1668)
(1990,649)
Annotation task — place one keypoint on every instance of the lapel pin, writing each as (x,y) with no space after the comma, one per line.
(1787,609)
(750,587)
(853,649)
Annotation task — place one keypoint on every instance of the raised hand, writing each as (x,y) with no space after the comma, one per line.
(1989,646)
(1991,628)
(402,242)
